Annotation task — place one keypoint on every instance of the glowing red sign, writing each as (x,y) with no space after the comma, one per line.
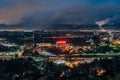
(61,42)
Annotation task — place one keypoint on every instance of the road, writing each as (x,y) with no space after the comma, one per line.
(77,56)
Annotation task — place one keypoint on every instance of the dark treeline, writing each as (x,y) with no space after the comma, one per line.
(28,69)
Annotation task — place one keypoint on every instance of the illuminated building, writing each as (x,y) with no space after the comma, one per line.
(61,44)
(95,33)
(42,46)
(116,42)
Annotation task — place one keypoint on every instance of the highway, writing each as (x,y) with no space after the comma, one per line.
(77,56)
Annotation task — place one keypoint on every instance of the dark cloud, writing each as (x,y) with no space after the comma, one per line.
(37,12)
(75,14)
(13,11)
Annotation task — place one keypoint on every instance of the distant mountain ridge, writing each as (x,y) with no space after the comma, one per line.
(60,26)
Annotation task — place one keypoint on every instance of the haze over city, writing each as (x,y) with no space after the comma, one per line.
(36,13)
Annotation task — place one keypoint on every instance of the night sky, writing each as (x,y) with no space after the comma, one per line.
(38,12)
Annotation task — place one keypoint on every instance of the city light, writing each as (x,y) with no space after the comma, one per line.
(59,40)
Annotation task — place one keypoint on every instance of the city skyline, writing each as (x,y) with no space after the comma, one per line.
(59,39)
